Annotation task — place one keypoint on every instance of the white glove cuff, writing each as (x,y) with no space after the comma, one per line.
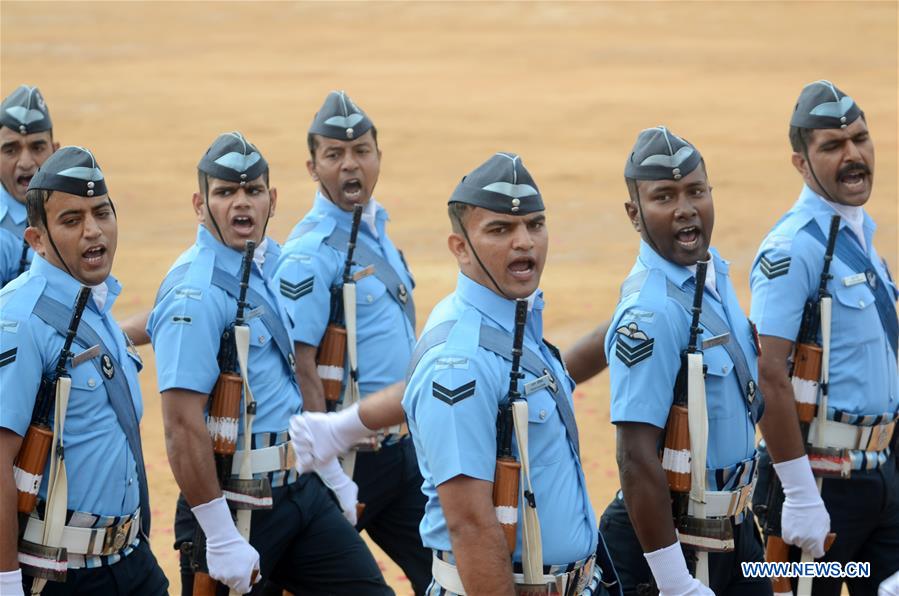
(215,519)
(348,428)
(11,582)
(669,568)
(797,479)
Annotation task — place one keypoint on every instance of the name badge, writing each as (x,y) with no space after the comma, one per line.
(539,383)
(716,341)
(854,280)
(91,352)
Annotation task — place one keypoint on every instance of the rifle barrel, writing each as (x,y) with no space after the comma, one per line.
(245,268)
(351,245)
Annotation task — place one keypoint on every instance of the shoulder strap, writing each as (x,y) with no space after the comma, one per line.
(851,253)
(230,285)
(500,343)
(57,315)
(386,274)
(632,284)
(718,326)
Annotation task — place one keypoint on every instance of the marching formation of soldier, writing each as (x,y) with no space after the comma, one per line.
(300,407)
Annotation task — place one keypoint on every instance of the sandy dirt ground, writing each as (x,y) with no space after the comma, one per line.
(148,86)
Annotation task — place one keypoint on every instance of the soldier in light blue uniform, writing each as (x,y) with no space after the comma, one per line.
(302,543)
(459,379)
(26,141)
(74,232)
(345,161)
(671,207)
(834,154)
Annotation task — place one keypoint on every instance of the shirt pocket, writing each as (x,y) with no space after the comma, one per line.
(87,380)
(545,446)
(723,398)
(369,290)
(259,333)
(855,314)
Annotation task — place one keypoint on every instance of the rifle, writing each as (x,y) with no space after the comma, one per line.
(508,468)
(686,444)
(805,373)
(222,423)
(29,465)
(332,351)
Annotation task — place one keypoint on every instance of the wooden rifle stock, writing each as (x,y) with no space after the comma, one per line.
(676,452)
(31,460)
(223,419)
(508,468)
(331,357)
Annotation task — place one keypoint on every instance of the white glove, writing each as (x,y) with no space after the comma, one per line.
(804,521)
(11,583)
(343,486)
(889,586)
(669,568)
(230,559)
(318,437)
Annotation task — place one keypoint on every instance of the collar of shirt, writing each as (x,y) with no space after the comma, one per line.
(63,287)
(500,310)
(822,210)
(679,274)
(374,215)
(15,209)
(230,260)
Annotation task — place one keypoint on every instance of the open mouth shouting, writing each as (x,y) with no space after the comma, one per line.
(94,256)
(22,182)
(853,178)
(243,225)
(688,238)
(522,268)
(352,190)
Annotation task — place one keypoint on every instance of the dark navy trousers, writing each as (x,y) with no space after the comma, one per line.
(864,514)
(725,573)
(305,544)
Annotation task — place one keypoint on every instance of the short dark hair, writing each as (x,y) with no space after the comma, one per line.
(457,212)
(203,181)
(35,199)
(799,138)
(312,141)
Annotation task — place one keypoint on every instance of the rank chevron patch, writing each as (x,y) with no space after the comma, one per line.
(636,353)
(453,396)
(775,268)
(297,290)
(8,357)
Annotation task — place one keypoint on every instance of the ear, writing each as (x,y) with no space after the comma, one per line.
(459,247)
(34,236)
(633,214)
(197,201)
(310,167)
(273,197)
(800,163)
(55,146)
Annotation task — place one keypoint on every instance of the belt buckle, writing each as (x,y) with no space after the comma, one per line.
(880,437)
(116,537)
(288,456)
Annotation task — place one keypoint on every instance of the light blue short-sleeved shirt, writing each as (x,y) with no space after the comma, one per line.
(459,438)
(13,221)
(308,269)
(102,471)
(648,333)
(787,272)
(186,327)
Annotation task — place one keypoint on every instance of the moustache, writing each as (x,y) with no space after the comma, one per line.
(852,168)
